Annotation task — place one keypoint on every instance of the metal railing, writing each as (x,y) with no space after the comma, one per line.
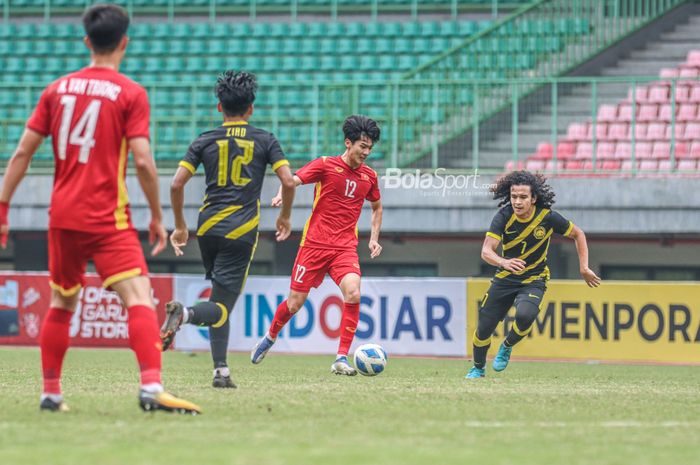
(416,114)
(214,9)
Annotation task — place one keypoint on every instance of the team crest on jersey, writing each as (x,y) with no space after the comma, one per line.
(539,232)
(339,169)
(364,177)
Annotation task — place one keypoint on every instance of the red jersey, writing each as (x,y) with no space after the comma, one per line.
(338,198)
(90,115)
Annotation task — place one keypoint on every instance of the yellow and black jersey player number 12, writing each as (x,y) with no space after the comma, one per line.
(237,165)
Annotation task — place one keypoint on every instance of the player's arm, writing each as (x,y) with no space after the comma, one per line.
(148,179)
(286,193)
(489,253)
(587,274)
(14,173)
(374,248)
(277,200)
(179,237)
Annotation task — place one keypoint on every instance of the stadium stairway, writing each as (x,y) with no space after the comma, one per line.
(648,58)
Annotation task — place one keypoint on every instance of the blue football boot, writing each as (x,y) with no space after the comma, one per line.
(500,362)
(475,373)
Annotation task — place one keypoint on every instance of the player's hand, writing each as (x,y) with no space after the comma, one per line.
(178,239)
(590,277)
(514,265)
(284,228)
(157,235)
(276,200)
(374,249)
(4,224)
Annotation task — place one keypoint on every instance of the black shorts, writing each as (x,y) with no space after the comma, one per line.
(226,261)
(503,294)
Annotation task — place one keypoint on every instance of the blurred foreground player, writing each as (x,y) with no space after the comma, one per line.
(329,241)
(524,225)
(94,117)
(235,156)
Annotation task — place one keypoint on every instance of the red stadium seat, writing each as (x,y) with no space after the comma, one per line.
(688,71)
(658,94)
(642,150)
(577,131)
(607,113)
(574,165)
(694,95)
(584,150)
(693,58)
(601,130)
(692,131)
(687,165)
(665,165)
(514,166)
(618,131)
(553,166)
(661,150)
(680,131)
(656,131)
(544,151)
(566,150)
(681,150)
(627,165)
(648,165)
(665,113)
(687,112)
(605,150)
(641,94)
(623,151)
(640,131)
(535,165)
(695,150)
(647,112)
(682,93)
(624,112)
(668,73)
(611,165)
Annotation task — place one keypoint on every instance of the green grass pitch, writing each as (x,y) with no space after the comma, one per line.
(292,410)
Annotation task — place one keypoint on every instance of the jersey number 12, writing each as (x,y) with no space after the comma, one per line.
(83,134)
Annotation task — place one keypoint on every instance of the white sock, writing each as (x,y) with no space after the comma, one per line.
(58,398)
(223,371)
(186,315)
(152,388)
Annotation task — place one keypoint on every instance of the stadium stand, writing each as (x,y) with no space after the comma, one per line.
(184,57)
(656,129)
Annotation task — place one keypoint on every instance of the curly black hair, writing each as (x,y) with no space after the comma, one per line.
(357,126)
(538,186)
(236,91)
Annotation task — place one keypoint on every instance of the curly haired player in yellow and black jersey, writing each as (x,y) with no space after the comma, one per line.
(524,226)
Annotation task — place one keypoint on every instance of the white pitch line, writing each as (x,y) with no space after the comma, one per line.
(598,424)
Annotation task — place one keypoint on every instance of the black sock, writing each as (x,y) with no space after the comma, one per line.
(218,338)
(205,314)
(512,338)
(480,355)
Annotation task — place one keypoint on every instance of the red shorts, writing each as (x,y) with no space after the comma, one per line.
(117,256)
(312,264)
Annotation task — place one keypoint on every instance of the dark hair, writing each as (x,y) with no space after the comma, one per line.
(538,187)
(105,25)
(236,91)
(357,126)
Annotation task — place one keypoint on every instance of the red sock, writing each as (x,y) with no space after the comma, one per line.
(54,340)
(144,340)
(348,325)
(282,316)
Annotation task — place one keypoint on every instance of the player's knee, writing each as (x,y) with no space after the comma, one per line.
(295,302)
(485,328)
(525,314)
(351,295)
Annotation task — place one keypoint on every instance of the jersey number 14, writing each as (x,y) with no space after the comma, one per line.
(83,134)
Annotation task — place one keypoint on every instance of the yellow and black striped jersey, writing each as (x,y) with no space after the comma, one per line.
(235,156)
(528,240)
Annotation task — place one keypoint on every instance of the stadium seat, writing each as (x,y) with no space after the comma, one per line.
(624,112)
(618,131)
(642,150)
(658,94)
(566,150)
(601,130)
(656,131)
(640,131)
(692,131)
(605,150)
(577,131)
(584,150)
(647,112)
(661,149)
(687,112)
(687,165)
(607,113)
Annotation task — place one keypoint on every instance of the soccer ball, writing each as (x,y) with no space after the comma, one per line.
(370,359)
